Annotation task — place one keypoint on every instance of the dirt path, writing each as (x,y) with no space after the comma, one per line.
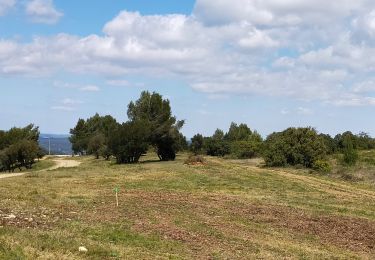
(59,163)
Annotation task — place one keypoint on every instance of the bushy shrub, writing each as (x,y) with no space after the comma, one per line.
(244,149)
(195,159)
(216,147)
(322,166)
(294,146)
(350,157)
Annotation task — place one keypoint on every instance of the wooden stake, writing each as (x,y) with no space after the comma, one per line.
(116,190)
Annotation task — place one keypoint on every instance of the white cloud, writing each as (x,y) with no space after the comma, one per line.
(67,105)
(275,12)
(256,39)
(5,5)
(303,49)
(69,101)
(43,11)
(353,100)
(365,86)
(118,83)
(90,88)
(63,108)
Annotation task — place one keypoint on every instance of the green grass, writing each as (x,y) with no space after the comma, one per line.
(168,210)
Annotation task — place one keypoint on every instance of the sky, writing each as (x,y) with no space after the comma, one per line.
(270,64)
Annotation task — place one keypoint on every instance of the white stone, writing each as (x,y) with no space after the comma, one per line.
(82,249)
(11,216)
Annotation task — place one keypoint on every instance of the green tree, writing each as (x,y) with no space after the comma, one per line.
(19,148)
(365,141)
(86,130)
(96,145)
(217,145)
(244,143)
(330,143)
(164,128)
(130,141)
(238,132)
(350,154)
(79,137)
(196,145)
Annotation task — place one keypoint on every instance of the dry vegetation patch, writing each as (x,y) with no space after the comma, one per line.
(216,220)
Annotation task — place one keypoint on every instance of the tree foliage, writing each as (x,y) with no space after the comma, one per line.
(196,145)
(91,136)
(217,145)
(19,148)
(129,141)
(294,146)
(150,123)
(240,142)
(164,128)
(350,154)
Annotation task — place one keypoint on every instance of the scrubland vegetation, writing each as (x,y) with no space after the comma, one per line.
(221,209)
(297,194)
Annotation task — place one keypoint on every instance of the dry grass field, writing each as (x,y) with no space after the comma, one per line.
(224,209)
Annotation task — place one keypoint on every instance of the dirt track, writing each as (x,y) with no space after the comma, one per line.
(59,163)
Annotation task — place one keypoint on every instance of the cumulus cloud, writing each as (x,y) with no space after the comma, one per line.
(5,5)
(303,49)
(43,11)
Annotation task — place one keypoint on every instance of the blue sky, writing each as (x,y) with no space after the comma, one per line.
(271,64)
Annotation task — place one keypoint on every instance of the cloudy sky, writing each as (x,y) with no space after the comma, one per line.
(268,63)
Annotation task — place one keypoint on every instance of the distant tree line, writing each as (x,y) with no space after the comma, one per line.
(239,142)
(150,124)
(19,148)
(293,146)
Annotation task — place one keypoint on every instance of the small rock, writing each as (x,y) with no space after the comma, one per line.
(11,216)
(82,249)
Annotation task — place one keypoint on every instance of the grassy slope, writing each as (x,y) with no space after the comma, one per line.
(223,210)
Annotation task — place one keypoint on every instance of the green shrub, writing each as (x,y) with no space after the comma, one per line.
(294,146)
(350,154)
(244,149)
(322,166)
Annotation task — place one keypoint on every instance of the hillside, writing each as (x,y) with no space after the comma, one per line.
(224,209)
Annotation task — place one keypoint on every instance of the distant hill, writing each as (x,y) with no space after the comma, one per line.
(60,144)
